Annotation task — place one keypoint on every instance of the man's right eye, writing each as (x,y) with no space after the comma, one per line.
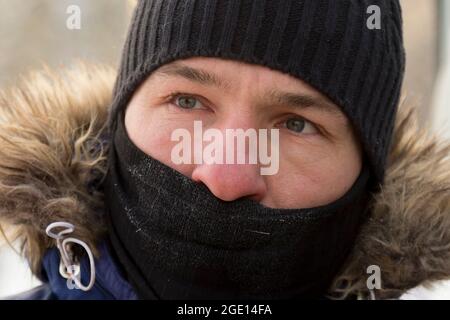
(187,102)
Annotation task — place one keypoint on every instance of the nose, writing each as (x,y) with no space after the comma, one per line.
(230,182)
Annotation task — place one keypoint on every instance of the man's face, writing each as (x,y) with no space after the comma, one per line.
(319,155)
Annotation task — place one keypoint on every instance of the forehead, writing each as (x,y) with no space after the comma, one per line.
(230,73)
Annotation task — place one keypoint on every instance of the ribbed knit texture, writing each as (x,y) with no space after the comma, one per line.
(323,42)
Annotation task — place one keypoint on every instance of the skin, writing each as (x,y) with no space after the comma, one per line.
(320,159)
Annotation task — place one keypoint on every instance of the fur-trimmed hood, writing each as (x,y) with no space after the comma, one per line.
(52,154)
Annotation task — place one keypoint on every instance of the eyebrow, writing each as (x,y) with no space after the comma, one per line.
(196,75)
(305,101)
(292,100)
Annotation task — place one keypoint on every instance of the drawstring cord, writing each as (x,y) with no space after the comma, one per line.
(67,268)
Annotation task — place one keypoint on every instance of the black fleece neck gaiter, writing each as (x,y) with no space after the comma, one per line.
(176,240)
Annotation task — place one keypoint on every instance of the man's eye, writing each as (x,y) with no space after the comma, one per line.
(187,102)
(300,125)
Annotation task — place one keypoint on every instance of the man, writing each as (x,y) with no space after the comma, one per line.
(184,219)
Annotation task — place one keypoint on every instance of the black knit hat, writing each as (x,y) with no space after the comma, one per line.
(326,43)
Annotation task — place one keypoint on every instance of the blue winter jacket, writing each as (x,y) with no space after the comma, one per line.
(110,283)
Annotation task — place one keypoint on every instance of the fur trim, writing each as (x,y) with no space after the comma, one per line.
(50,127)
(408,234)
(51,151)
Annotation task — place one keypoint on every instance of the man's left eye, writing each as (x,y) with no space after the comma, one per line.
(300,125)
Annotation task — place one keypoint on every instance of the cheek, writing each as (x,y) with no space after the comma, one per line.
(311,177)
(150,129)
